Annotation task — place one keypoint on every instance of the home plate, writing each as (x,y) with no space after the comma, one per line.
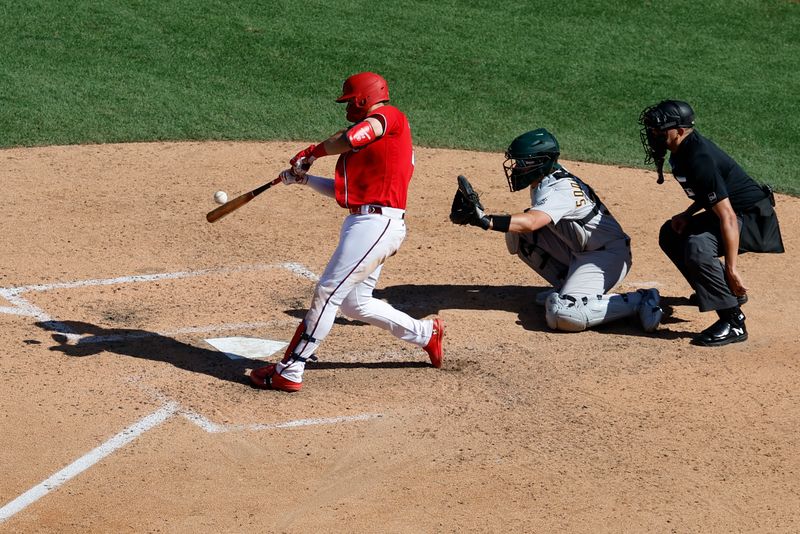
(251,348)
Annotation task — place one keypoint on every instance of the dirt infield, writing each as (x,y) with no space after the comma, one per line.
(117,416)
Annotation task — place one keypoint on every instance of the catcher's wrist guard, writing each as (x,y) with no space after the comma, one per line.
(500,223)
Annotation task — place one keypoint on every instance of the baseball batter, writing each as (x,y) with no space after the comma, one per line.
(567,236)
(376,161)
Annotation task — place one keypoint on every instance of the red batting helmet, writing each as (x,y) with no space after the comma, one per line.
(362,91)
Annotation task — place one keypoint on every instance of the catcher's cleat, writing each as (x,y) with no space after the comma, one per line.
(267,378)
(721,333)
(434,346)
(650,311)
(741,299)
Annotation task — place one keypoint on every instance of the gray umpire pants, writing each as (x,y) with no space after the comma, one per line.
(695,253)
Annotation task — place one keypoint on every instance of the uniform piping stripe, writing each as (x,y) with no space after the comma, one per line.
(344,177)
(348,276)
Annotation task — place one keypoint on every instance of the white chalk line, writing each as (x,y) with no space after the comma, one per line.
(88,460)
(143,425)
(21,306)
(24,308)
(214,428)
(293,267)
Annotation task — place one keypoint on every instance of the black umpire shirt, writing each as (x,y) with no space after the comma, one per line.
(708,175)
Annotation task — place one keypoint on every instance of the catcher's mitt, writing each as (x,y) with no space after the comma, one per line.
(467,207)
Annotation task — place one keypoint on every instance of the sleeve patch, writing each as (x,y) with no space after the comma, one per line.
(361,134)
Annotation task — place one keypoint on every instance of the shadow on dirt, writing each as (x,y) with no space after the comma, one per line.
(156,347)
(367,365)
(424,300)
(299,314)
(149,346)
(416,300)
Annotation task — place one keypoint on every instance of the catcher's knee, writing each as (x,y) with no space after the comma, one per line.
(563,312)
(537,258)
(524,246)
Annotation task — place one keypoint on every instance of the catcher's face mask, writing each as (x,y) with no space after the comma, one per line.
(521,173)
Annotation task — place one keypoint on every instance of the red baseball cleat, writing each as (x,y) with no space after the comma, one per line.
(434,346)
(267,378)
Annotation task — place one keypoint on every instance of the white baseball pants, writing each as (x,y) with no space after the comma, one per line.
(365,243)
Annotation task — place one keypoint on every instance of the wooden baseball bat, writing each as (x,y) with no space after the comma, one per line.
(233,205)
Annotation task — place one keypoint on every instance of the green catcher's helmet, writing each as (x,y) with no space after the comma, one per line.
(530,157)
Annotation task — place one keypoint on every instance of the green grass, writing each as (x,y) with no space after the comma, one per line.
(470,74)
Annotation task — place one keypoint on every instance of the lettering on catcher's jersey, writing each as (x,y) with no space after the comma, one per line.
(577,192)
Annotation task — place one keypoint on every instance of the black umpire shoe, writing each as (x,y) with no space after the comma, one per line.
(721,333)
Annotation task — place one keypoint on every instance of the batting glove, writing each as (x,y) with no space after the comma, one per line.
(289,177)
(303,159)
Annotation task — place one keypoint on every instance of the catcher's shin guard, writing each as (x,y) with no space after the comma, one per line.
(650,312)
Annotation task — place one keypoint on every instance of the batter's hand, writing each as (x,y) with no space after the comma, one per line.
(735,282)
(302,161)
(289,177)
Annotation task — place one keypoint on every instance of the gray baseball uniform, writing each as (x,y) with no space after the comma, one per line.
(583,253)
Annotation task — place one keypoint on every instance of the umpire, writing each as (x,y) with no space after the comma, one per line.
(730,213)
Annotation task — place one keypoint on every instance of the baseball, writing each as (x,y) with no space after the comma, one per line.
(220,197)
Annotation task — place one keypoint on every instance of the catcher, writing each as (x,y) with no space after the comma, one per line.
(568,237)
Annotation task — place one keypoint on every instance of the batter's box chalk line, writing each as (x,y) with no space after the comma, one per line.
(149,422)
(215,428)
(22,307)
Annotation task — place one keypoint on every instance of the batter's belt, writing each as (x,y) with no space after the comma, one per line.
(372,209)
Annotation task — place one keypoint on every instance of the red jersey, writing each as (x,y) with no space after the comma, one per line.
(380,172)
